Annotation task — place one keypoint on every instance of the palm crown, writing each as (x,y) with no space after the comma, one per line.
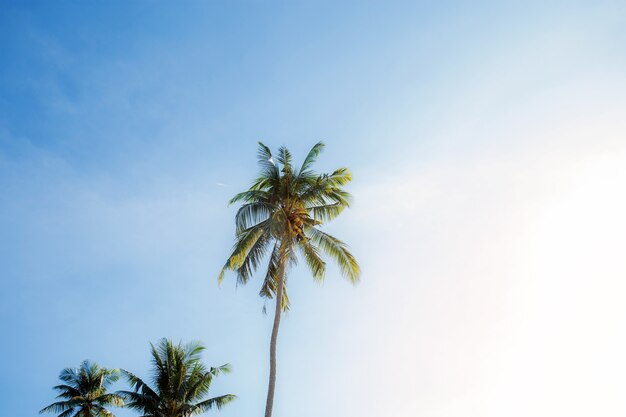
(180,383)
(283,210)
(84,392)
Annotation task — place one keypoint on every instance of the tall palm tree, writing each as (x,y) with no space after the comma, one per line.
(180,383)
(84,392)
(281,213)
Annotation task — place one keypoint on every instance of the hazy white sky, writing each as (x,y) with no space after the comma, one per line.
(488,145)
(500,285)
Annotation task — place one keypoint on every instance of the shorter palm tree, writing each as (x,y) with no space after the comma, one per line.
(84,392)
(180,383)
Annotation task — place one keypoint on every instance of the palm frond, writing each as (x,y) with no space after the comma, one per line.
(58,407)
(215,402)
(251,214)
(266,162)
(192,351)
(284,157)
(337,250)
(327,189)
(340,177)
(311,158)
(271,276)
(138,385)
(101,411)
(138,401)
(110,399)
(66,391)
(223,369)
(252,195)
(66,413)
(270,283)
(252,260)
(313,259)
(246,253)
(69,375)
(327,212)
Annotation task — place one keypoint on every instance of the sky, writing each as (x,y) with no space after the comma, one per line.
(488,147)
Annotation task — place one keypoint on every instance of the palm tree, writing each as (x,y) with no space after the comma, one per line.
(84,392)
(281,213)
(180,383)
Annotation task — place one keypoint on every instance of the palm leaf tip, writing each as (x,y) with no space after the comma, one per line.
(312,156)
(225,369)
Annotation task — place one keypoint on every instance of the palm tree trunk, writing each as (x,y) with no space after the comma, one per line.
(279,308)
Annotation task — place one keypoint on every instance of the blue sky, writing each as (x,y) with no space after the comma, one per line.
(488,148)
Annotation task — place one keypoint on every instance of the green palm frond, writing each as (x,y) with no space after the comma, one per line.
(340,177)
(111,399)
(138,385)
(326,189)
(337,250)
(283,257)
(284,158)
(58,407)
(100,411)
(66,413)
(199,384)
(251,214)
(224,369)
(66,391)
(313,259)
(216,402)
(268,291)
(252,260)
(310,159)
(69,375)
(249,248)
(250,196)
(138,401)
(271,275)
(266,162)
(327,212)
